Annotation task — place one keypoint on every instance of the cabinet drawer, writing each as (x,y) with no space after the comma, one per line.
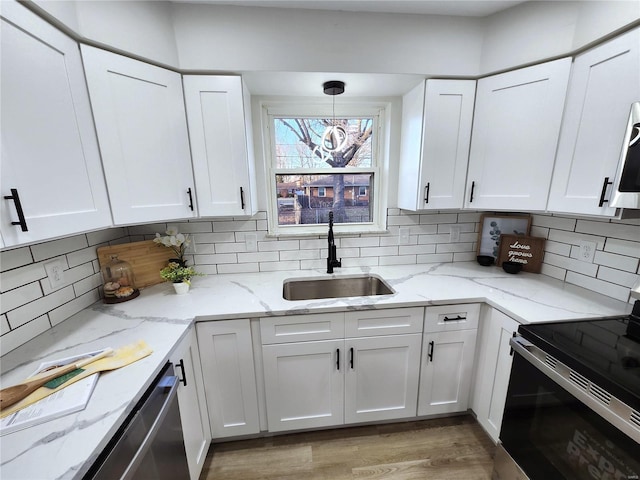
(302,328)
(383,322)
(451,317)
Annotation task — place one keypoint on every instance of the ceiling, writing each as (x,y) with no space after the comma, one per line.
(464,8)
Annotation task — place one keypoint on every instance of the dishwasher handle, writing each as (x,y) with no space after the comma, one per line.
(172,383)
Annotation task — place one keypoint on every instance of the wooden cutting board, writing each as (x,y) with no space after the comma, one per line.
(147,258)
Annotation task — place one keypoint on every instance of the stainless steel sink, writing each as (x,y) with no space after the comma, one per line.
(361,286)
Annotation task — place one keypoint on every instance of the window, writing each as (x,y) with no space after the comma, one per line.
(318,163)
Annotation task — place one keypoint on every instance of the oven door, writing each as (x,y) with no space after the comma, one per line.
(551,434)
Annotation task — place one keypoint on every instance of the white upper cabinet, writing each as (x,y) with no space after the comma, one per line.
(604,83)
(218,113)
(436,131)
(515,134)
(142,130)
(50,158)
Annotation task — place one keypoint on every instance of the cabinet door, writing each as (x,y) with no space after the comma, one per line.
(191,400)
(447,369)
(304,384)
(381,377)
(49,148)
(142,130)
(515,134)
(226,353)
(219,130)
(436,132)
(494,369)
(604,83)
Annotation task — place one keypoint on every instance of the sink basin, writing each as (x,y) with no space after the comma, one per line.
(361,286)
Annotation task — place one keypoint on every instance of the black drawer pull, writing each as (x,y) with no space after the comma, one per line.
(473,187)
(190,199)
(184,375)
(426,192)
(16,200)
(337,358)
(604,192)
(351,358)
(430,353)
(447,319)
(242,198)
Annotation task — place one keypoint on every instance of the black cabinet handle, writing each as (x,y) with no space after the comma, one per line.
(242,198)
(184,376)
(190,199)
(604,191)
(473,187)
(351,358)
(337,358)
(16,200)
(458,317)
(430,353)
(426,192)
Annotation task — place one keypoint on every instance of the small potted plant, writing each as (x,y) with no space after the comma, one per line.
(179,275)
(177,242)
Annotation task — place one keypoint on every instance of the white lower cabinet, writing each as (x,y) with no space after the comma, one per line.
(329,380)
(448,353)
(193,408)
(493,371)
(381,377)
(226,353)
(304,384)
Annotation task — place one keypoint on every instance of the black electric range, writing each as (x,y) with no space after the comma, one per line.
(605,351)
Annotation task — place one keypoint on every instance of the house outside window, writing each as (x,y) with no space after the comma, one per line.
(331,164)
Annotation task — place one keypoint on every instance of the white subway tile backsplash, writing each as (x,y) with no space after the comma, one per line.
(210,269)
(41,306)
(438,218)
(215,259)
(600,286)
(574,238)
(416,249)
(435,258)
(19,335)
(571,264)
(403,220)
(398,260)
(238,268)
(262,225)
(54,248)
(276,246)
(192,227)
(621,262)
(359,242)
(300,255)
(618,277)
(21,276)
(15,258)
(623,247)
(226,248)
(82,256)
(83,286)
(279,266)
(464,256)
(424,229)
(58,315)
(314,243)
(19,296)
(429,239)
(214,237)
(469,217)
(378,251)
(553,271)
(360,262)
(454,247)
(105,236)
(4,325)
(235,226)
(606,229)
(313,264)
(557,248)
(537,231)
(260,236)
(258,257)
(148,229)
(558,223)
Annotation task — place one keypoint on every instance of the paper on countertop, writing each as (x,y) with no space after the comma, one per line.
(67,400)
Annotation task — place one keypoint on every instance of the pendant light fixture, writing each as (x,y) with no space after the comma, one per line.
(335,136)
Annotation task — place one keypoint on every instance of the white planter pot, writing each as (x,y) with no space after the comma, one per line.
(181,288)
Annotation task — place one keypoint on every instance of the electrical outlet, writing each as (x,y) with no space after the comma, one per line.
(251,242)
(454,233)
(55,273)
(403,235)
(587,251)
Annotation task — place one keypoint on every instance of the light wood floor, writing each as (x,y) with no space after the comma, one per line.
(440,449)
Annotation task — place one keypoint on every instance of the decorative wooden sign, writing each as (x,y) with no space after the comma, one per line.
(523,249)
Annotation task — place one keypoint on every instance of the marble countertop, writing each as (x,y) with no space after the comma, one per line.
(66,447)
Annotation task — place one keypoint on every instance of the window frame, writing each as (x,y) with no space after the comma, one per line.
(309,108)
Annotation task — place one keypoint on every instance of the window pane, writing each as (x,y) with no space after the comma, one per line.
(323,143)
(308,199)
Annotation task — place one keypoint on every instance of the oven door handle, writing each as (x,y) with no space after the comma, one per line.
(132,468)
(617,413)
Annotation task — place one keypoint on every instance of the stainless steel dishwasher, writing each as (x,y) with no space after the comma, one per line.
(150,444)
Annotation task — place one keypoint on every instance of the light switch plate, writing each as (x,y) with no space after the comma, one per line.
(251,242)
(55,273)
(454,233)
(403,235)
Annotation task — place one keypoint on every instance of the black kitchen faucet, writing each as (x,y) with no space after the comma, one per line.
(332,259)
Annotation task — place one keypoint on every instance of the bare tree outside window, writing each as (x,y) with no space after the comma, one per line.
(301,144)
